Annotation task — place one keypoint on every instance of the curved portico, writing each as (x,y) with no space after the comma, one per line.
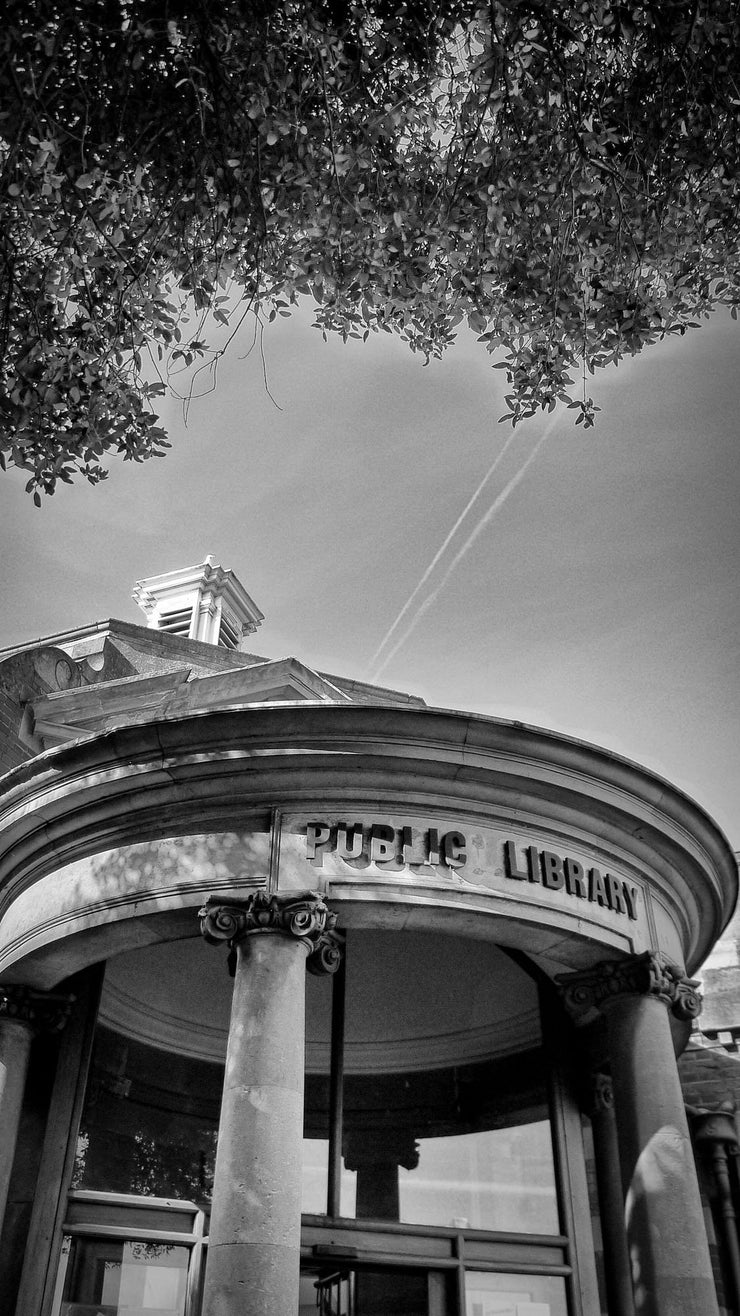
(496,865)
(100,835)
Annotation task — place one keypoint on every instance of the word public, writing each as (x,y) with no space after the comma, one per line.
(558,874)
(393,847)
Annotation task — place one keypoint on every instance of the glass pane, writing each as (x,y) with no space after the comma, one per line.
(499,1180)
(316,1095)
(514,1295)
(445,1099)
(315,1180)
(391,1293)
(593,1201)
(150,1121)
(107,1277)
(375,1292)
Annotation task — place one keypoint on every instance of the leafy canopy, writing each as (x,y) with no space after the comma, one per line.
(562,177)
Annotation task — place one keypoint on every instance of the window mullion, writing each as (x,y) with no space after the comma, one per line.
(336,1087)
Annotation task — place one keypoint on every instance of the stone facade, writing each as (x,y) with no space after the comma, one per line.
(477,874)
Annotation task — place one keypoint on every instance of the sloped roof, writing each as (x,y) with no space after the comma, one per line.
(126,674)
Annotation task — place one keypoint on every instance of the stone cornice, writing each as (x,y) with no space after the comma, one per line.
(41,1011)
(208,769)
(304,918)
(594,989)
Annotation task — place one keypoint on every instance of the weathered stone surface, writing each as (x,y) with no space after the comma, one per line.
(15,1045)
(669,1256)
(253,1258)
(218,772)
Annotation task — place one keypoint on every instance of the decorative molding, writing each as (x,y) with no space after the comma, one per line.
(305,918)
(43,1011)
(650,974)
(111,790)
(93,914)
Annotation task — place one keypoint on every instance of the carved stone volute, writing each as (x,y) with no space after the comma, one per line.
(305,918)
(649,974)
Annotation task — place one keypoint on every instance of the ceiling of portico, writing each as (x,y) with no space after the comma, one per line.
(415,1001)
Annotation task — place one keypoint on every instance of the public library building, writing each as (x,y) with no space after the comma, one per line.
(315,1001)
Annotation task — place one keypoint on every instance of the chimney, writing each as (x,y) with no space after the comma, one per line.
(199,603)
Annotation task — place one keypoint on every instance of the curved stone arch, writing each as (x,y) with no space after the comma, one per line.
(210,773)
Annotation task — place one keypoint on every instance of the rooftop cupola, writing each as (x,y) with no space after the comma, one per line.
(204,602)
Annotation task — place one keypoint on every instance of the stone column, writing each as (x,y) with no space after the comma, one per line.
(666,1238)
(611,1197)
(715,1133)
(376,1155)
(254,1242)
(22,1012)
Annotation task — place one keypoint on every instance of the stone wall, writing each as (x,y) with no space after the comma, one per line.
(24,676)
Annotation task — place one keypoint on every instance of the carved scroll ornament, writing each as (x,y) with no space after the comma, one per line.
(305,918)
(649,974)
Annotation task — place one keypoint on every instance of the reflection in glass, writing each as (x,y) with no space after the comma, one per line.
(113,1277)
(501,1179)
(150,1121)
(514,1295)
(374,1292)
(445,1094)
(593,1202)
(452,1148)
(315,1176)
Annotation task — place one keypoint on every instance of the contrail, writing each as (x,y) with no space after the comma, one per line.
(487,516)
(473,498)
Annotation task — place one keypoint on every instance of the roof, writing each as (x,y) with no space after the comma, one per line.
(114,673)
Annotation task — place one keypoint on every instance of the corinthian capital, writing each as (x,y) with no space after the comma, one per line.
(649,974)
(304,918)
(41,1011)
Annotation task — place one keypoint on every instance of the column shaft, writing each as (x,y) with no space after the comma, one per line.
(15,1047)
(254,1247)
(611,1209)
(668,1251)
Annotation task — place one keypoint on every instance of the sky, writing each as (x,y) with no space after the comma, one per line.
(599,592)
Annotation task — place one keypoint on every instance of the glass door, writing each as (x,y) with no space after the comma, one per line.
(374,1291)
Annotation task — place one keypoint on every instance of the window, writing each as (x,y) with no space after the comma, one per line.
(229,633)
(144,1264)
(431,1154)
(445,1117)
(150,1122)
(176,622)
